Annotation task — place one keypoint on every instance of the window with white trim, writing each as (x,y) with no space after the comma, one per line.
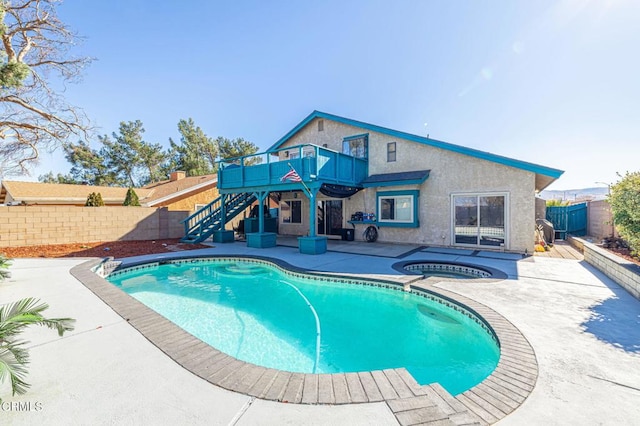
(480,219)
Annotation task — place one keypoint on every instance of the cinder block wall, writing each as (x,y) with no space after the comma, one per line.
(36,225)
(620,270)
(600,219)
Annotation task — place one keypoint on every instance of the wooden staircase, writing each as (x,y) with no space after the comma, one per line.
(203,223)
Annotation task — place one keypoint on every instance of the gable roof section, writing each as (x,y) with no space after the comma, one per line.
(167,190)
(63,193)
(511,162)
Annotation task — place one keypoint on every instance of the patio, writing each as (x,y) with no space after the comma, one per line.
(583,327)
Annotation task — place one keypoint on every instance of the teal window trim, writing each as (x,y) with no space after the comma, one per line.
(361,136)
(414,194)
(364,137)
(391,152)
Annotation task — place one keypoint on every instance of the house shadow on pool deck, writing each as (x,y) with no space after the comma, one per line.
(616,321)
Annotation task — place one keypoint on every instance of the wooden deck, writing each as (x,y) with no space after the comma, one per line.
(561,250)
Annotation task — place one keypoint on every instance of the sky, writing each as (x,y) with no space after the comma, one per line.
(555,83)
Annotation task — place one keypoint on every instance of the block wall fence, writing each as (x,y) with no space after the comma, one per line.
(36,225)
(620,270)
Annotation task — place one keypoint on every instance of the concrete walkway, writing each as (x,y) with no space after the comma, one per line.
(584,329)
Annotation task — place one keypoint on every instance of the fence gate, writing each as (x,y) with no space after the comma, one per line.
(568,220)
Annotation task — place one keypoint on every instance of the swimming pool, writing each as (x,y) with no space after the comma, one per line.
(263,314)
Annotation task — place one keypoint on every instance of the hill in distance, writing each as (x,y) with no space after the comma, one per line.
(596,193)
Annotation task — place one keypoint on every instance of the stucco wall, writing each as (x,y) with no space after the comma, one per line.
(451,173)
(35,225)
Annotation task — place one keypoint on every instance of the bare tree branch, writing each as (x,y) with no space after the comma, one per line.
(35,45)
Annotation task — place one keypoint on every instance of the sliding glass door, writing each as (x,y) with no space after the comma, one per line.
(479,220)
(329,217)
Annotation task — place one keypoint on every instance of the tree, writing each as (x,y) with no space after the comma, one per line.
(94,200)
(59,178)
(14,357)
(88,165)
(196,154)
(625,206)
(131,199)
(35,46)
(231,148)
(127,153)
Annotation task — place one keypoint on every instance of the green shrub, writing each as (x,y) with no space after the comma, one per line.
(131,199)
(14,355)
(94,200)
(4,265)
(557,203)
(625,206)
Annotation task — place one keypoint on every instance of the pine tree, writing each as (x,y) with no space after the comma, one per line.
(131,199)
(94,200)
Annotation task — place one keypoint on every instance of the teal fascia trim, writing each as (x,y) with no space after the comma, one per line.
(531,167)
(350,138)
(395,183)
(414,193)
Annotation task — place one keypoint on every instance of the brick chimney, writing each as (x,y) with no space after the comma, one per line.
(177,175)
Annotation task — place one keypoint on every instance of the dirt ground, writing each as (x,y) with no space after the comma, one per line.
(100,249)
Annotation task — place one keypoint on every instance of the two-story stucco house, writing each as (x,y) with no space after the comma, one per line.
(401,187)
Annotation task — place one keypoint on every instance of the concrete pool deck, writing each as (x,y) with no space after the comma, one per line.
(584,328)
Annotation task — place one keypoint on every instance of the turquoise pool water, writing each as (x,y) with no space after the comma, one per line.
(262,314)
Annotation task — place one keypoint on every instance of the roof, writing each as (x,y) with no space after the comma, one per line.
(62,193)
(392,179)
(167,190)
(545,175)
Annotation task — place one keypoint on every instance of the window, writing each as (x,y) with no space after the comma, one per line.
(391,152)
(320,125)
(291,211)
(356,146)
(480,219)
(398,208)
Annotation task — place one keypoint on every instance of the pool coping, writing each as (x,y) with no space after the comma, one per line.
(503,391)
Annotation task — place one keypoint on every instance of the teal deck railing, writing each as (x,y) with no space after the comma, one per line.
(203,223)
(311,162)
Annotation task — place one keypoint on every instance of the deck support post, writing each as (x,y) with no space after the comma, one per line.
(261,239)
(312,244)
(222,235)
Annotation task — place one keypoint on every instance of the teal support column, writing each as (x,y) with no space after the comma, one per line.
(312,211)
(261,197)
(312,244)
(222,235)
(223,211)
(261,239)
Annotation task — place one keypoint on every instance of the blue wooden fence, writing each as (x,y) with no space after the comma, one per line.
(568,220)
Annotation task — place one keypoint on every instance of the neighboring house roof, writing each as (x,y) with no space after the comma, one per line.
(394,179)
(544,175)
(62,193)
(166,191)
